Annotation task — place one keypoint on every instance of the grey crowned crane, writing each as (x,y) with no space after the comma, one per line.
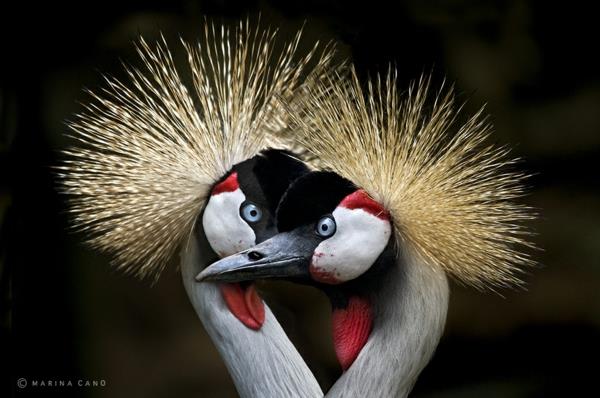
(402,204)
(160,169)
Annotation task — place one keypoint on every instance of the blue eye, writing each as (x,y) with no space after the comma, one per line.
(251,213)
(326,227)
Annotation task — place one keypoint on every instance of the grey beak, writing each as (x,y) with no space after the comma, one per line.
(285,255)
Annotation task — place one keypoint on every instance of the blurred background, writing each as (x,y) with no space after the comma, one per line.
(66,315)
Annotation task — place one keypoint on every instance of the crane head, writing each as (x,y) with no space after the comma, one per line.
(240,213)
(334,236)
(331,232)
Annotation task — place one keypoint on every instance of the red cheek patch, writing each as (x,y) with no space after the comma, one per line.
(351,329)
(321,275)
(361,200)
(245,304)
(229,184)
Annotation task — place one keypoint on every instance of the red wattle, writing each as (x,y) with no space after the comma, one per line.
(229,184)
(351,329)
(255,305)
(360,199)
(245,304)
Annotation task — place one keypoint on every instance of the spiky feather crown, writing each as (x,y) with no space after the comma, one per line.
(150,149)
(450,196)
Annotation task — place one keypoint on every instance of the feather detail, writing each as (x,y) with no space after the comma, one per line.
(149,149)
(450,194)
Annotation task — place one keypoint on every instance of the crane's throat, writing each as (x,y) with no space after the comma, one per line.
(351,329)
(244,303)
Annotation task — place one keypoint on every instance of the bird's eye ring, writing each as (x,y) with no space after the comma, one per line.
(250,212)
(326,227)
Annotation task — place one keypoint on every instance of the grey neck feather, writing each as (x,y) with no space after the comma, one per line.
(262,363)
(409,317)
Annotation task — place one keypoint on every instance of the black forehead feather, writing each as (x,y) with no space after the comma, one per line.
(265,177)
(310,197)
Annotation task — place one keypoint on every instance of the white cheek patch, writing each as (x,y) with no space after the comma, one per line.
(226,231)
(359,240)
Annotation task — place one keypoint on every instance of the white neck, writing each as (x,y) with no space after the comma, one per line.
(262,363)
(409,317)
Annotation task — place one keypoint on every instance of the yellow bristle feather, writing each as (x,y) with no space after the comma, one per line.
(450,194)
(150,148)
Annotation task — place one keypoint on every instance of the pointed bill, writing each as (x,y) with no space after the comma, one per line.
(285,255)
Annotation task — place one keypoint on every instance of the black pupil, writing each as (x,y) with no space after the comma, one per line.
(253,213)
(324,227)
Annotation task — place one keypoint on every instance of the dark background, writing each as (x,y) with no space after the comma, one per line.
(67,316)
